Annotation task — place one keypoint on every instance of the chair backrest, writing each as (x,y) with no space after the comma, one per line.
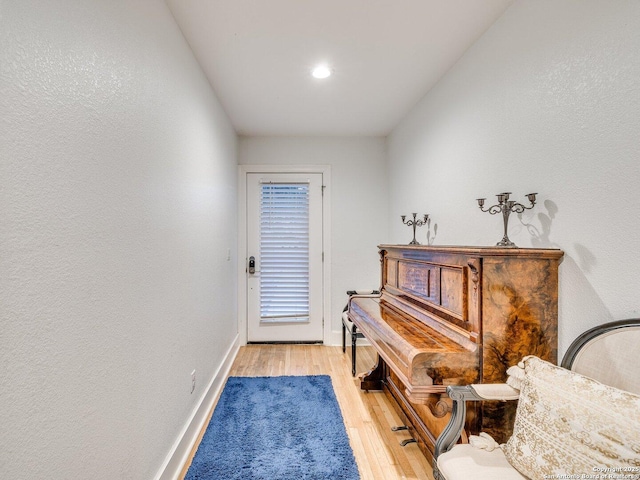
(609,354)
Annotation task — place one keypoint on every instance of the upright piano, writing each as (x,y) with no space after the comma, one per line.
(455,316)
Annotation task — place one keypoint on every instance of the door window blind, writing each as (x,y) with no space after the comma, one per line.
(284,252)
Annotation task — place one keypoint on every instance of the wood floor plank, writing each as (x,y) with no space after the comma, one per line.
(368,416)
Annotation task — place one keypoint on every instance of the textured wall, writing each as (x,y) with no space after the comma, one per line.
(117,210)
(546,101)
(358,203)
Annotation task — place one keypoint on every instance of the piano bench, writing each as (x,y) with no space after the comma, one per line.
(350,326)
(355,334)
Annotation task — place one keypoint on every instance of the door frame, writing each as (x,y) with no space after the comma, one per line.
(243,170)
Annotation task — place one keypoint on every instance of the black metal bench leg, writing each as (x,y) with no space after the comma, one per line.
(354,337)
(344,334)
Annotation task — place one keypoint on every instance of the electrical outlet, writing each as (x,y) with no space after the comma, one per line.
(193,381)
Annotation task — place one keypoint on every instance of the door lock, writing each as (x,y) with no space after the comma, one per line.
(252,265)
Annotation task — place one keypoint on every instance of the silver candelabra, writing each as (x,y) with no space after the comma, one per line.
(506,207)
(415,223)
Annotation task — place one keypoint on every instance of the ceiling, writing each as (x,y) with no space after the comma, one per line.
(385,56)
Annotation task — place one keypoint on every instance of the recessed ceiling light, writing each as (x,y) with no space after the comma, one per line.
(321,71)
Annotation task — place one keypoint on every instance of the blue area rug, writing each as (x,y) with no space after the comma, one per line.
(275,428)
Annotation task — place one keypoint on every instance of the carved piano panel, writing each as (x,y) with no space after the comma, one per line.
(456,315)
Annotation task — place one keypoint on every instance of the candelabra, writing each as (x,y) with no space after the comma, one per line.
(506,207)
(415,223)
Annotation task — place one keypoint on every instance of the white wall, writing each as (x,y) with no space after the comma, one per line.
(546,101)
(358,203)
(117,209)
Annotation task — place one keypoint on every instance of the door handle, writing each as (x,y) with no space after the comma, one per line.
(252,265)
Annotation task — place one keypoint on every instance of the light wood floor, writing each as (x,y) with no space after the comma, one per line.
(368,416)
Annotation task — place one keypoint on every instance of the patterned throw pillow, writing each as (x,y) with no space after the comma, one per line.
(568,425)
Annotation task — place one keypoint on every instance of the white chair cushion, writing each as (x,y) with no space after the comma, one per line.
(347,322)
(567,424)
(464,462)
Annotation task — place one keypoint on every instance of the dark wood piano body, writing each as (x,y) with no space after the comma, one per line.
(455,316)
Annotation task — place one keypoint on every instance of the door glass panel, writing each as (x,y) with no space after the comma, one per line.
(284,253)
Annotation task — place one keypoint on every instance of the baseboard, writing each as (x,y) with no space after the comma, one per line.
(179,454)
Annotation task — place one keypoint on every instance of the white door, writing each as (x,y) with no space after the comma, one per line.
(284,257)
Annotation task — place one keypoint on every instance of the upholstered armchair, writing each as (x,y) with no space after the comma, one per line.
(581,418)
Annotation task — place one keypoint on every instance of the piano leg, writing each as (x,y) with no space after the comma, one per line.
(372,380)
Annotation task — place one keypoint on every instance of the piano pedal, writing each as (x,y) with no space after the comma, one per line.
(398,428)
(406,442)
